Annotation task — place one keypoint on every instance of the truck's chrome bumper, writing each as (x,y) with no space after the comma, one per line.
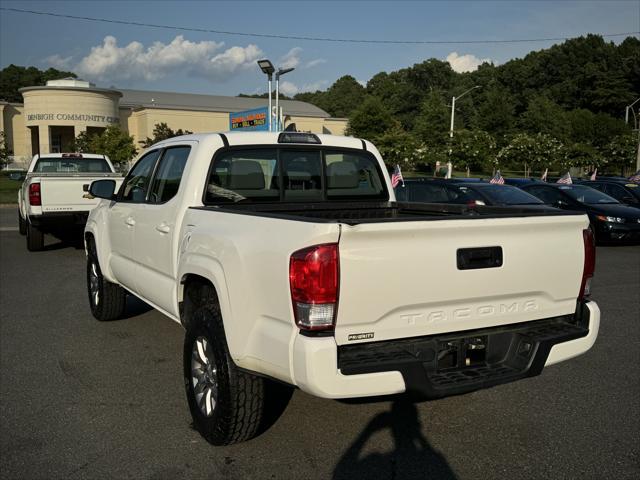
(442,365)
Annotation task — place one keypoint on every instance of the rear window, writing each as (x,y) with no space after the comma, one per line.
(587,195)
(293,175)
(507,195)
(72,165)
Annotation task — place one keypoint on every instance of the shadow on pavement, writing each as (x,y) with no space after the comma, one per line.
(135,307)
(412,456)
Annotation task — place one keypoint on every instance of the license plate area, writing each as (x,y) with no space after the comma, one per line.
(483,257)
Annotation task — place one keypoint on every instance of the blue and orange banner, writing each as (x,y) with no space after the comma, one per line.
(250,120)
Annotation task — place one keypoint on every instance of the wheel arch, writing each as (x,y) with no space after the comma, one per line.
(197,271)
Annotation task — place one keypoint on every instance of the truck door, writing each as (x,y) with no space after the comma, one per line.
(157,231)
(123,218)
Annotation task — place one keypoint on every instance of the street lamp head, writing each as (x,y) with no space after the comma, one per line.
(266,66)
(282,71)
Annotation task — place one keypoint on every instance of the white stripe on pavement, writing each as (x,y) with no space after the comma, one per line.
(8,229)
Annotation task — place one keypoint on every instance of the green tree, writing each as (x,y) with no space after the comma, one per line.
(473,149)
(161,131)
(536,152)
(543,115)
(398,147)
(343,97)
(370,120)
(117,144)
(13,78)
(5,152)
(582,155)
(496,113)
(619,155)
(432,124)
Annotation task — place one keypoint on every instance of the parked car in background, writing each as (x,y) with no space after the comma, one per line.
(622,190)
(516,182)
(428,190)
(610,220)
(53,193)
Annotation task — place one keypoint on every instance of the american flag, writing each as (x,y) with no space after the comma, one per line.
(544,175)
(635,177)
(497,178)
(566,178)
(593,175)
(396,177)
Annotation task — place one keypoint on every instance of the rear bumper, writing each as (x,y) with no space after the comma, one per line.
(48,221)
(442,365)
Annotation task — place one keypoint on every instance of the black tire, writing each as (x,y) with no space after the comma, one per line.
(237,412)
(35,238)
(107,300)
(22,225)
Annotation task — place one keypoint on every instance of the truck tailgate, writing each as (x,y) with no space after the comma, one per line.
(405,279)
(65,194)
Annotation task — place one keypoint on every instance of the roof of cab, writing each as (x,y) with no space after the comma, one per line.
(270,138)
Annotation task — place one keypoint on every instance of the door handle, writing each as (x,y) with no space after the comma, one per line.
(130,221)
(163,228)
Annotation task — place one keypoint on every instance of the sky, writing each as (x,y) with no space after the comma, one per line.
(148,58)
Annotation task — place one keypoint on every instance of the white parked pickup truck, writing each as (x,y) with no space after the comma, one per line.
(286,257)
(52,195)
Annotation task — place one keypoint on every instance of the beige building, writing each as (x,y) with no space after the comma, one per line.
(53,115)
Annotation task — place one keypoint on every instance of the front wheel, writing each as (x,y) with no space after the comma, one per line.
(226,403)
(107,300)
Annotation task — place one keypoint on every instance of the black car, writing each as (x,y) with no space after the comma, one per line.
(517,182)
(610,220)
(428,190)
(622,190)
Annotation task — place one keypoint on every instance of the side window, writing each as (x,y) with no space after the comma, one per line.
(615,191)
(166,181)
(546,194)
(136,184)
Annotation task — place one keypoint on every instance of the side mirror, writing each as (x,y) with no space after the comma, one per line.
(103,189)
(629,200)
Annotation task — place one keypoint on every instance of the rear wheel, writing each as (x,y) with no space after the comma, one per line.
(35,238)
(22,225)
(107,300)
(226,403)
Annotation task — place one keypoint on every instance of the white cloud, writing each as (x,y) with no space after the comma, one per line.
(315,63)
(291,59)
(59,62)
(465,63)
(290,88)
(111,62)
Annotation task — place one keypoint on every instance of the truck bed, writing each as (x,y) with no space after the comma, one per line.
(358,213)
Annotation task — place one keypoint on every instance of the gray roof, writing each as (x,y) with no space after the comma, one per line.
(212,103)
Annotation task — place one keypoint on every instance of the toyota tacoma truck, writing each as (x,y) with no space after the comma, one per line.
(53,194)
(286,258)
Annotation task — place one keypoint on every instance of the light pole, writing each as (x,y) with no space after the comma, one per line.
(453,113)
(636,124)
(279,73)
(267,68)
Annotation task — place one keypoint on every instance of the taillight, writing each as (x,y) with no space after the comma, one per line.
(589,263)
(34,195)
(314,274)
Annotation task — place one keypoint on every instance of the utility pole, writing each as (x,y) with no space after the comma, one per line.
(453,113)
(636,124)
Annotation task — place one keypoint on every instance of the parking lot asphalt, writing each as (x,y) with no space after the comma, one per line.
(80,399)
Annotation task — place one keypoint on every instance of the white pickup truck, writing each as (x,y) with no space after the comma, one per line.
(286,257)
(53,193)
